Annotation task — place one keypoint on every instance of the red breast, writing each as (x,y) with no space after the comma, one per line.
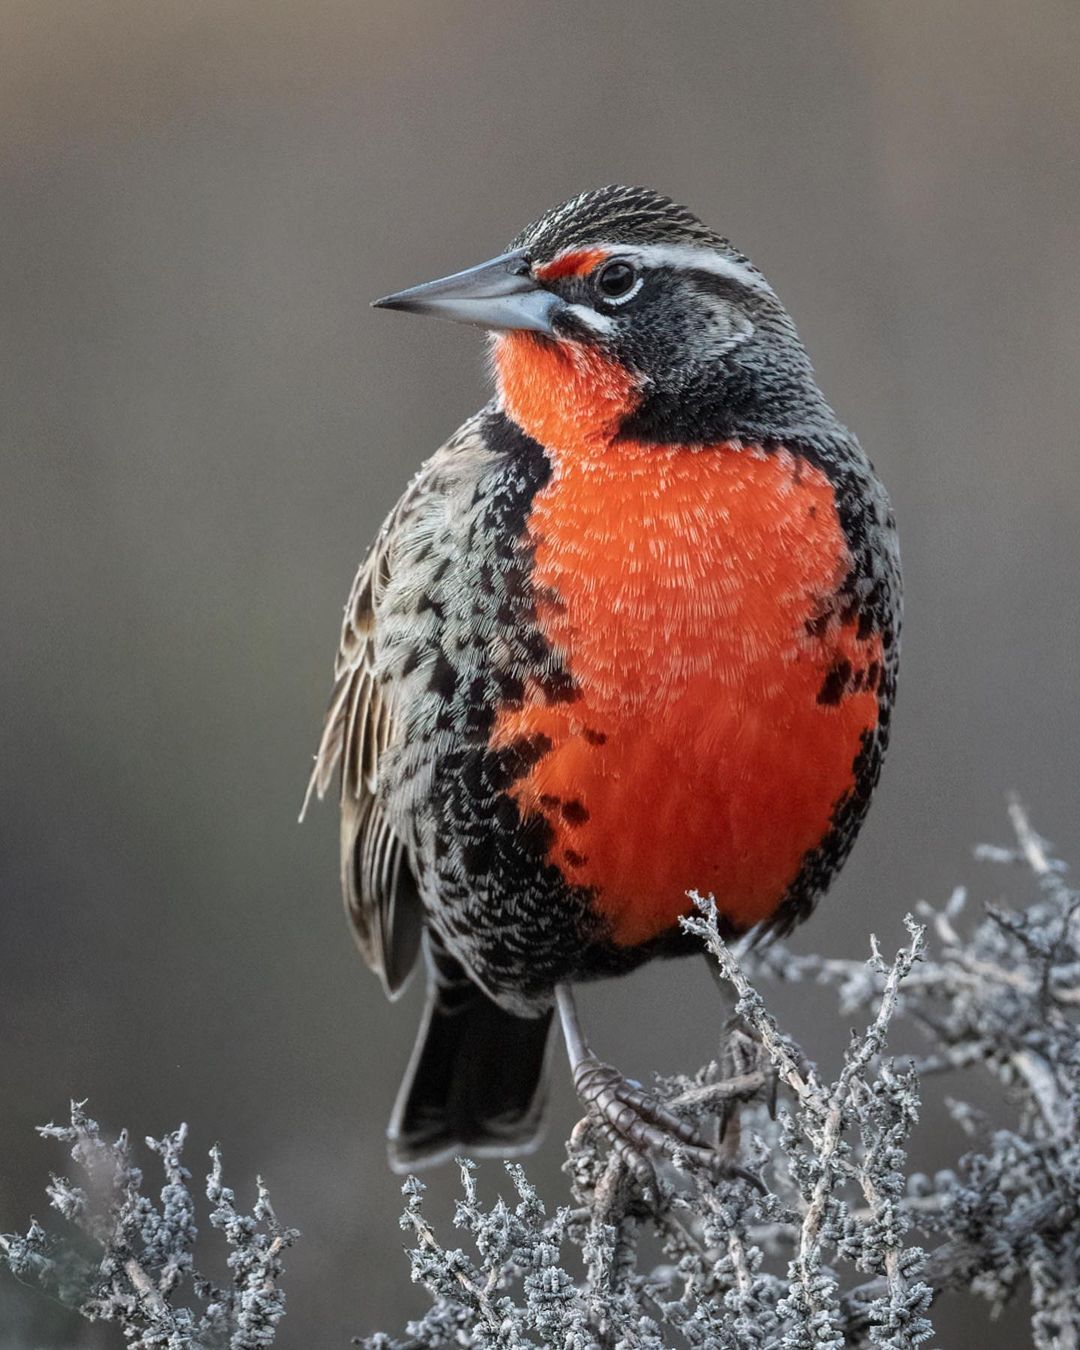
(691,594)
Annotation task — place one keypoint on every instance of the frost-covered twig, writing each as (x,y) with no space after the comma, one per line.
(126,1255)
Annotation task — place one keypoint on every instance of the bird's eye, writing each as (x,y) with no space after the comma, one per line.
(616,279)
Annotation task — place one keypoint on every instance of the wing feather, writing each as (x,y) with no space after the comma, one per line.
(380,893)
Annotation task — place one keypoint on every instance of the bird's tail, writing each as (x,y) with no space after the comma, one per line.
(476,1082)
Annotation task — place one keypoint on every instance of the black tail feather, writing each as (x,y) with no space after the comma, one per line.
(476,1080)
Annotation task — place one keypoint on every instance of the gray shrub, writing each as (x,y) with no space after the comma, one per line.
(841,1244)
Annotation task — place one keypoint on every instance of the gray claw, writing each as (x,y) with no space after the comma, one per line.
(636,1124)
(772,1087)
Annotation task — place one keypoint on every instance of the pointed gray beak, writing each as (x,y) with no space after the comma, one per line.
(502,295)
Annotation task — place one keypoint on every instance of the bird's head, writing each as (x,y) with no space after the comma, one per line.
(619,314)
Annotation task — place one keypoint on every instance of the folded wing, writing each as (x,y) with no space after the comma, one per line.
(377,883)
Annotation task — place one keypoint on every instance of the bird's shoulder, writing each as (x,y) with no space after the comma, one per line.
(401,561)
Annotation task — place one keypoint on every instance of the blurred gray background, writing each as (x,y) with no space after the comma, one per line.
(203,425)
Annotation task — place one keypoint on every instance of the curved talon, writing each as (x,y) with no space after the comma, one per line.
(629,1110)
(637,1163)
(636,1123)
(772,1087)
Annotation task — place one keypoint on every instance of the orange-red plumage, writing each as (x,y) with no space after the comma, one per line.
(574,263)
(682,586)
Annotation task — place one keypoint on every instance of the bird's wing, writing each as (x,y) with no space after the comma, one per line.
(377,883)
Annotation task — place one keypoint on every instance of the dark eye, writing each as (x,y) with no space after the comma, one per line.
(615,279)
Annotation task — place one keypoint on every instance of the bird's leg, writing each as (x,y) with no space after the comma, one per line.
(632,1120)
(741,1056)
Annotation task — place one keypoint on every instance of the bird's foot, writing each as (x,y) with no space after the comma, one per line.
(637,1125)
(745,1067)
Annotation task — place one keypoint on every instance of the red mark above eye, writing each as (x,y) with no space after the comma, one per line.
(576,263)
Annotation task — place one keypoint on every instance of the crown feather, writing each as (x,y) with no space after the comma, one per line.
(619,215)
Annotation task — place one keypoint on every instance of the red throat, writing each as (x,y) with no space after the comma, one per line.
(564,395)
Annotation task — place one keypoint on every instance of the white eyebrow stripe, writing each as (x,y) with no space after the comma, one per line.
(685,256)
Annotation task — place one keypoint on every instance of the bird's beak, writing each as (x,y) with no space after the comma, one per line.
(502,295)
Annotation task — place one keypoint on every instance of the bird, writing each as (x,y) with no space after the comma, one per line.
(631,633)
